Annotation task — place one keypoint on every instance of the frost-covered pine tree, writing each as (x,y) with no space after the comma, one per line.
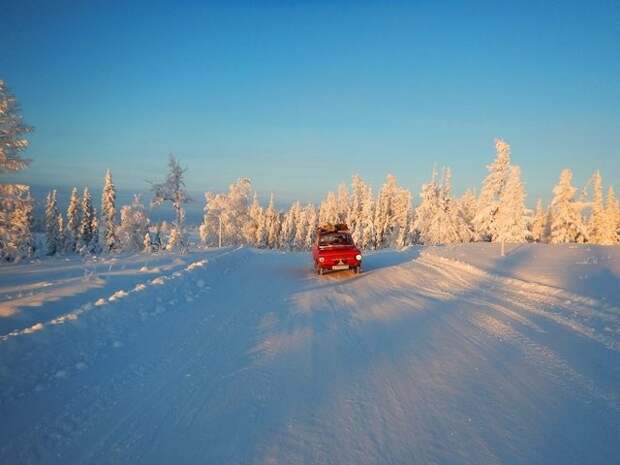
(598,232)
(235,214)
(566,224)
(173,190)
(301,228)
(52,224)
(468,205)
(12,133)
(147,245)
(272,224)
(343,203)
(312,218)
(384,214)
(328,212)
(16,202)
(253,222)
(262,233)
(61,245)
(87,221)
(18,241)
(74,220)
(448,225)
(289,224)
(392,214)
(510,222)
(427,210)
(612,209)
(491,191)
(367,233)
(134,226)
(539,223)
(108,213)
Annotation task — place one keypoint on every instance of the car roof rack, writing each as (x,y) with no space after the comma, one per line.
(330,228)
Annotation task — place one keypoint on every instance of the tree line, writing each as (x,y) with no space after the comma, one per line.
(387,219)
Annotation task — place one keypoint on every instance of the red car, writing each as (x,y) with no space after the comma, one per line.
(334,250)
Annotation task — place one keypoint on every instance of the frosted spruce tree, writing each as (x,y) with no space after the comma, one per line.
(301,228)
(172,190)
(21,242)
(313,222)
(491,191)
(427,210)
(510,223)
(13,132)
(612,209)
(393,212)
(343,203)
(134,226)
(88,224)
(74,220)
(272,224)
(566,223)
(468,205)
(600,228)
(252,225)
(328,212)
(108,213)
(52,223)
(15,199)
(289,223)
(539,223)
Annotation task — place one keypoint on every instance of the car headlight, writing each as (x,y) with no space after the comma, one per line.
(321,259)
(358,257)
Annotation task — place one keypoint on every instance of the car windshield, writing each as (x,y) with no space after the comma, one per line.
(336,238)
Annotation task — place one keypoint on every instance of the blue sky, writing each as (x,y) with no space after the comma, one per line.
(299,96)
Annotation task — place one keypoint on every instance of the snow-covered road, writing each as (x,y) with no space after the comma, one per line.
(244,357)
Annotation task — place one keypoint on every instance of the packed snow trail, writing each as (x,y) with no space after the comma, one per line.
(249,358)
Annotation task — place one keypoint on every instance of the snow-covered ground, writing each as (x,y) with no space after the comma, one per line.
(447,355)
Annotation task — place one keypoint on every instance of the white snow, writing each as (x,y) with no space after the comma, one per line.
(432,355)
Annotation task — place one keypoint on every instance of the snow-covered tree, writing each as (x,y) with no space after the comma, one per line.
(612,209)
(328,212)
(491,191)
(312,219)
(134,226)
(427,210)
(468,205)
(289,224)
(566,223)
(600,229)
(510,223)
(108,213)
(272,224)
(16,206)
(16,203)
(88,224)
(393,212)
(173,190)
(301,228)
(12,133)
(539,223)
(439,219)
(253,223)
(61,244)
(362,213)
(74,220)
(52,232)
(342,201)
(147,244)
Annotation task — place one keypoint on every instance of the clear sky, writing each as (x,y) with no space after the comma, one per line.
(298,96)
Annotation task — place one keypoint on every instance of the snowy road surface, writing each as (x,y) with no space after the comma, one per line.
(245,357)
